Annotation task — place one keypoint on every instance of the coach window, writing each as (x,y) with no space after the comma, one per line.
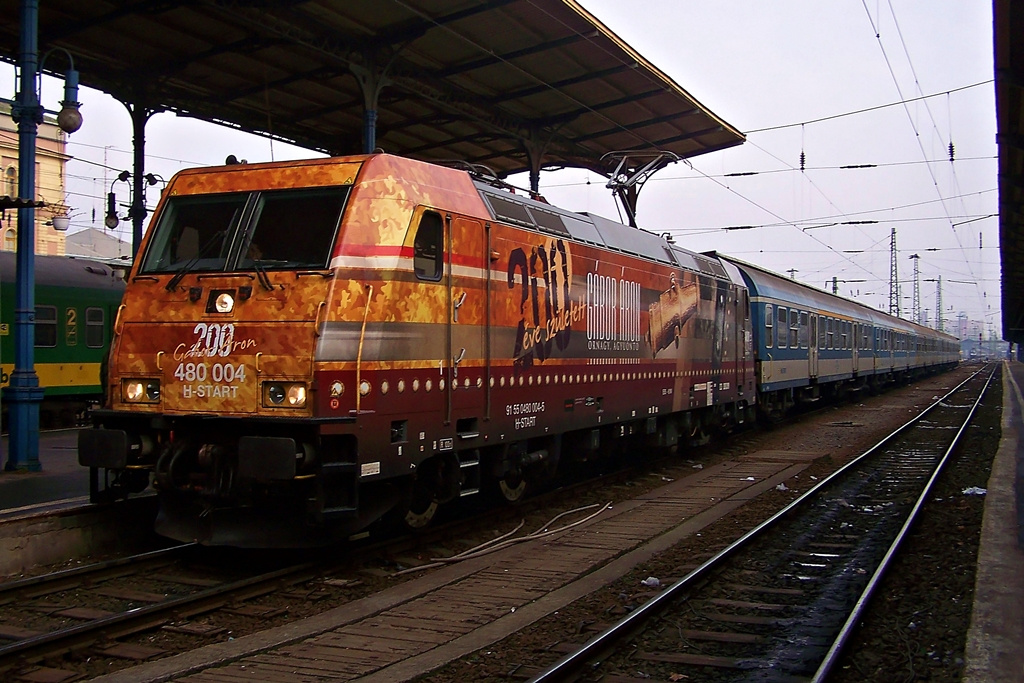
(46,326)
(828,333)
(94,328)
(769,329)
(794,329)
(846,334)
(803,329)
(782,329)
(822,332)
(428,247)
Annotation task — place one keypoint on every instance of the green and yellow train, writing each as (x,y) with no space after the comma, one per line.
(76,301)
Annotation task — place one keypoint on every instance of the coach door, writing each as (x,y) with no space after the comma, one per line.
(468,277)
(812,347)
(854,347)
(741,315)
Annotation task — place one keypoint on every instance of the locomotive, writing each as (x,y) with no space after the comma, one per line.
(76,299)
(307,347)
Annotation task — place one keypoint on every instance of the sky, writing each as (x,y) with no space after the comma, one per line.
(884,83)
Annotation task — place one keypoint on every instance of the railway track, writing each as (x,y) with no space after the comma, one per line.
(780,602)
(94,605)
(111,639)
(97,608)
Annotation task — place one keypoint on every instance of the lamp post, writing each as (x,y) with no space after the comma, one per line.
(24,394)
(136,202)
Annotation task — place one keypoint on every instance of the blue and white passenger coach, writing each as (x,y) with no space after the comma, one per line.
(809,343)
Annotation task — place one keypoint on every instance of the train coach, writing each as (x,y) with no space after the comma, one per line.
(76,299)
(307,347)
(810,344)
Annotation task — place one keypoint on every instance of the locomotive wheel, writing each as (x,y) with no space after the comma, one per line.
(421,509)
(512,487)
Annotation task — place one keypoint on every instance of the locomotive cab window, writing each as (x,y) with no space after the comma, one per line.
(46,327)
(269,230)
(292,229)
(428,247)
(193,233)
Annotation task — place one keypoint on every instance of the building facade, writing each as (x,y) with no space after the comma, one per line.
(51,163)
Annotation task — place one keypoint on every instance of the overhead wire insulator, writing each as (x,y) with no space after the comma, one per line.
(951,150)
(803,158)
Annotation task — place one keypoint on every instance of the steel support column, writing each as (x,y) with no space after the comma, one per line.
(23,395)
(372,80)
(137,211)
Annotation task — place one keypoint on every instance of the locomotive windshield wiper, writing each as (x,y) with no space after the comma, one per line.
(261,275)
(190,264)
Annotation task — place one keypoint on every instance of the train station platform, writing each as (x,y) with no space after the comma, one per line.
(61,479)
(995,642)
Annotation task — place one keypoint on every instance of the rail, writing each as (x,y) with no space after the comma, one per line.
(599,646)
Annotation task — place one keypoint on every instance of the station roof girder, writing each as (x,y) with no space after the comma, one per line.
(487,82)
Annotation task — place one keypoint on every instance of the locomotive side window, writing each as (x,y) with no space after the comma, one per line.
(94,327)
(46,326)
(769,331)
(193,232)
(428,247)
(783,327)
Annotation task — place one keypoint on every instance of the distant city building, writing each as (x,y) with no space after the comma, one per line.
(51,160)
(97,244)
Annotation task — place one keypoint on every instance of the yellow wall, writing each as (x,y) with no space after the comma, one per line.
(51,160)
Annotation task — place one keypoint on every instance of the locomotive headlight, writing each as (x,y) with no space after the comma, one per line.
(224,303)
(140,390)
(133,391)
(284,394)
(295,396)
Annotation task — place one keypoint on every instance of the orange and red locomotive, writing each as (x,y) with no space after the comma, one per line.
(304,347)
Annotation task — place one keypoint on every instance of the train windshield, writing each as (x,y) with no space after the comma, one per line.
(193,233)
(272,230)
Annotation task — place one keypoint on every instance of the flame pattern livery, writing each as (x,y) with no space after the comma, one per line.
(305,348)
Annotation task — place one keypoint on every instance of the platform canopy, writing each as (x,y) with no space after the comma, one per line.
(512,84)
